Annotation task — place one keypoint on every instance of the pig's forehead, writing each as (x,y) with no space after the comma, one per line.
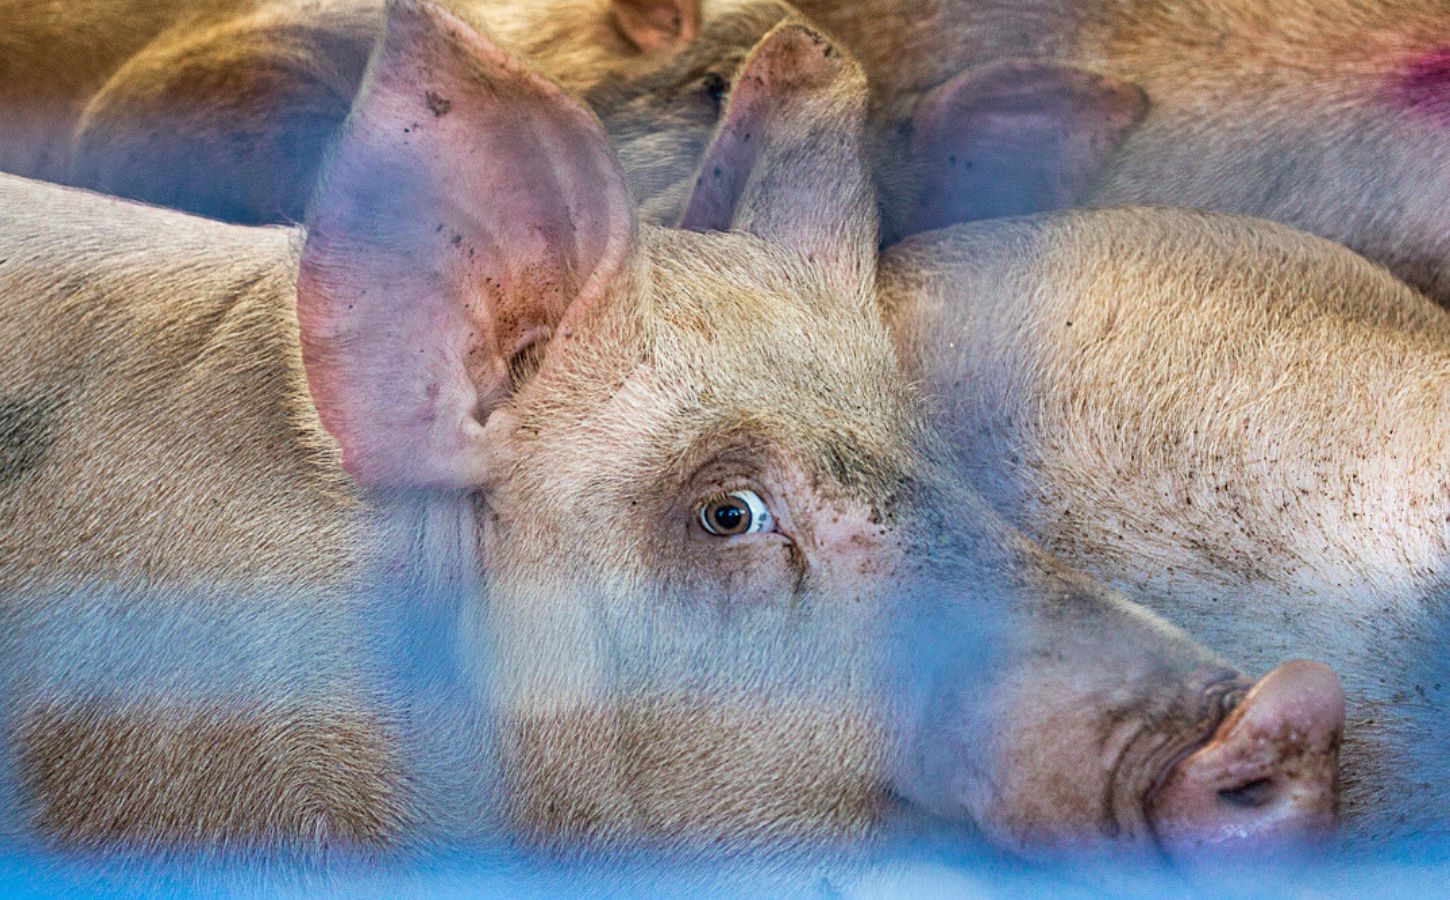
(738,315)
(680,396)
(732,284)
(746,362)
(849,440)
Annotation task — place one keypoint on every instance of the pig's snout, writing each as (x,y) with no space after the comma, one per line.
(1267,779)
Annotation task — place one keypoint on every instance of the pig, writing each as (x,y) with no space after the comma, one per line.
(1242,426)
(225,108)
(698,571)
(1328,116)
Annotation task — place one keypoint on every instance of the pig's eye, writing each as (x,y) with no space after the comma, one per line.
(738,512)
(716,87)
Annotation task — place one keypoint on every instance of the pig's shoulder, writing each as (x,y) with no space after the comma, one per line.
(52,235)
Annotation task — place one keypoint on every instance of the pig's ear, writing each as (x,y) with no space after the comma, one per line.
(653,25)
(470,207)
(788,162)
(1008,138)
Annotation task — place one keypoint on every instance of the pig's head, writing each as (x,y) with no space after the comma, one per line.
(660,119)
(721,586)
(657,73)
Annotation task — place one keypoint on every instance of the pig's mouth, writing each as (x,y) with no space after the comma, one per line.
(1147,761)
(1219,698)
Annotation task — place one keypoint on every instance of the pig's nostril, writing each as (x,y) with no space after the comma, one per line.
(1249,796)
(1267,778)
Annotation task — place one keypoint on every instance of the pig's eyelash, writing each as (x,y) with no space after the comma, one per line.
(723,489)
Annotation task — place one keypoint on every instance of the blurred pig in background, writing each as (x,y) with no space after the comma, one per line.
(1328,116)
(226,107)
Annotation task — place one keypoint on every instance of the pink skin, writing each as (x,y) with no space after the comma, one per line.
(397,421)
(1267,779)
(1425,89)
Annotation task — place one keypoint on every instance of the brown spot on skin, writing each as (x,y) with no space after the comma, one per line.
(437,104)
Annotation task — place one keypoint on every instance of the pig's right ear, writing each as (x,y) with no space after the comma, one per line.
(471,207)
(1007,138)
(788,161)
(653,25)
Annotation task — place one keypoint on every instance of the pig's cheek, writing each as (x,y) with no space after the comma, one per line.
(947,764)
(756,572)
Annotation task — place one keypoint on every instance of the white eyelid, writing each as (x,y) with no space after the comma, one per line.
(760,517)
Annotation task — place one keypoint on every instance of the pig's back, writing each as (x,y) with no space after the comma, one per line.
(153,415)
(1244,400)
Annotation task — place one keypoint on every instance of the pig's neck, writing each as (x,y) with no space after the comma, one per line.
(182,458)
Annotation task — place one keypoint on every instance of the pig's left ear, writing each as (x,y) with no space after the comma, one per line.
(1007,138)
(788,162)
(471,208)
(653,25)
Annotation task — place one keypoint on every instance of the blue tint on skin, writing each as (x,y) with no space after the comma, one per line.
(921,870)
